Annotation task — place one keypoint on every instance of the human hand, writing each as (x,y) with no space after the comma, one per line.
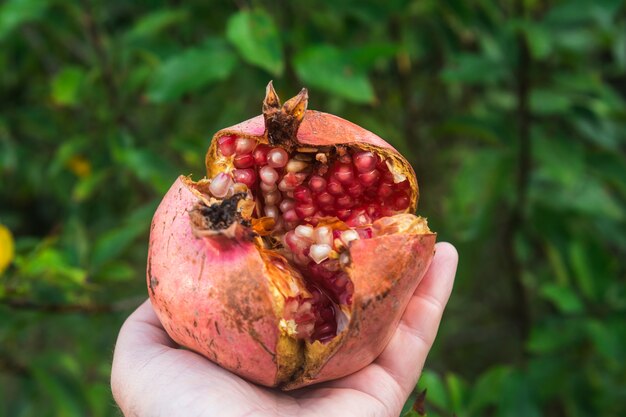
(152,377)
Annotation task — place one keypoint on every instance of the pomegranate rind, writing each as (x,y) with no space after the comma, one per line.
(215,301)
(386,271)
(318,129)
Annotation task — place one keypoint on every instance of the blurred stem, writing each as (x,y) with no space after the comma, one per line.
(516,220)
(95,37)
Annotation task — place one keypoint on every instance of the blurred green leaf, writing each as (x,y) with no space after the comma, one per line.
(486,390)
(473,69)
(256,37)
(66,85)
(437,393)
(563,298)
(328,68)
(544,102)
(14,13)
(156,22)
(191,70)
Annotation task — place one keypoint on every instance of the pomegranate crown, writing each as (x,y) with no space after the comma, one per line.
(282,122)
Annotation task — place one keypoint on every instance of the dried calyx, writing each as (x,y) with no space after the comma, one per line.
(305,203)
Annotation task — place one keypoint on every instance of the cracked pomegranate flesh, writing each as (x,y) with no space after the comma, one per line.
(293,261)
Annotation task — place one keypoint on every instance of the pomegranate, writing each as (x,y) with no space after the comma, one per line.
(292,262)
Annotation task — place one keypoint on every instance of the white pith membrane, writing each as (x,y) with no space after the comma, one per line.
(306,208)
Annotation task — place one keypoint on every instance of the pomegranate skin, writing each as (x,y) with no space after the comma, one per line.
(218,302)
(385,271)
(215,302)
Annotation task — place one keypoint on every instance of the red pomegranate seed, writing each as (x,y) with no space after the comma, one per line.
(246,176)
(272,198)
(304,210)
(260,154)
(226,145)
(325,199)
(385,190)
(244,145)
(365,161)
(400,201)
(369,178)
(345,201)
(291,216)
(303,194)
(355,189)
(317,184)
(334,187)
(404,185)
(243,161)
(343,214)
(358,218)
(344,173)
(277,158)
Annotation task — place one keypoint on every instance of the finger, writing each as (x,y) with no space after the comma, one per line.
(406,353)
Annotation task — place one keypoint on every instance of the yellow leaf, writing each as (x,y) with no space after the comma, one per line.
(7,250)
(81,167)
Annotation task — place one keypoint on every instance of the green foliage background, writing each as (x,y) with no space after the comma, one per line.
(512,112)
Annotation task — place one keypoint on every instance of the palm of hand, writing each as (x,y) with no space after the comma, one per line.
(152,377)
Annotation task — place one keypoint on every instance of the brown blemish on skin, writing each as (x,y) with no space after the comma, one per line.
(217,328)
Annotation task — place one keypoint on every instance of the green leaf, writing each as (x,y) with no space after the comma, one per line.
(486,390)
(256,37)
(191,70)
(549,102)
(156,22)
(517,398)
(66,85)
(329,68)
(14,13)
(473,69)
(564,298)
(437,393)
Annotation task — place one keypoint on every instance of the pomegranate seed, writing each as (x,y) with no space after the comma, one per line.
(404,185)
(325,199)
(304,210)
(244,145)
(317,184)
(271,211)
(358,218)
(220,185)
(287,204)
(364,233)
(260,154)
(290,215)
(272,198)
(277,158)
(355,189)
(365,161)
(334,187)
(305,232)
(302,194)
(345,159)
(344,173)
(324,236)
(385,190)
(295,166)
(319,252)
(400,201)
(297,245)
(245,176)
(348,236)
(268,187)
(243,161)
(372,211)
(226,145)
(268,175)
(345,201)
(369,178)
(343,214)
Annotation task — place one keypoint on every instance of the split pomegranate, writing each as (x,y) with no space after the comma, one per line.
(292,262)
